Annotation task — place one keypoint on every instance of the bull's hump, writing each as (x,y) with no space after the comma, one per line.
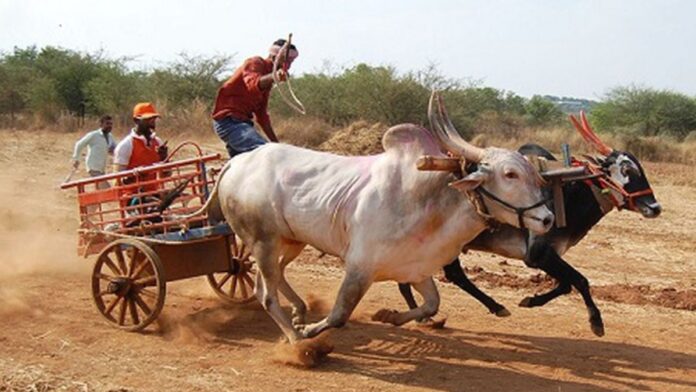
(410,138)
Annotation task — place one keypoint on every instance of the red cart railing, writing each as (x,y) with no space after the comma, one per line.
(142,201)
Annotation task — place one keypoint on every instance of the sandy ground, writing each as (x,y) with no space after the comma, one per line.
(51,337)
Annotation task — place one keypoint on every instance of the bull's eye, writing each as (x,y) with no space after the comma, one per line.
(511,175)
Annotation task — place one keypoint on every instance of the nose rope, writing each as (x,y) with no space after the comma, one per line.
(518,210)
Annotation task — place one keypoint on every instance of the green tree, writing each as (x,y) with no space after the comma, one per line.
(646,112)
(69,72)
(541,111)
(115,90)
(16,74)
(187,79)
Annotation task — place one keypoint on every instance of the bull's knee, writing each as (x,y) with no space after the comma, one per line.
(564,288)
(583,284)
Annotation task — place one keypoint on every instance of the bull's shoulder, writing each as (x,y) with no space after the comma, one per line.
(411,138)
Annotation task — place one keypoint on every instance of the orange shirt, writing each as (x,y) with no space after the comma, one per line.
(143,154)
(240,96)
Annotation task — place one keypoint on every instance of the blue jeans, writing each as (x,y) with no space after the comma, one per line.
(239,136)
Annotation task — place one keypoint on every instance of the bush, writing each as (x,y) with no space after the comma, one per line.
(691,137)
(646,112)
(541,111)
(56,87)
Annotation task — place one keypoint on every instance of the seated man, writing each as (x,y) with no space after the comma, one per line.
(141,148)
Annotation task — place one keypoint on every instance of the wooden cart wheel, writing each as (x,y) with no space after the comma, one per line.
(237,285)
(128,284)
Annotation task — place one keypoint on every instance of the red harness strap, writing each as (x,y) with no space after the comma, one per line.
(606,182)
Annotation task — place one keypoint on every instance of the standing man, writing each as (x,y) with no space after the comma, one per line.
(99,143)
(244,97)
(141,147)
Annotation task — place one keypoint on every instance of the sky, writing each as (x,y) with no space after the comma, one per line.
(556,47)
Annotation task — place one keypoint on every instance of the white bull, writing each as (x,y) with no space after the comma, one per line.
(385,219)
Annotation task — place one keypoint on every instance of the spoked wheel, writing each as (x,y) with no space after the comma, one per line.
(236,286)
(128,284)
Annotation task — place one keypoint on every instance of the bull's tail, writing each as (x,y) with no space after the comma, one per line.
(211,197)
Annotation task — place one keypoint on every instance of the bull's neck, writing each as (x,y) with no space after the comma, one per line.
(464,221)
(583,210)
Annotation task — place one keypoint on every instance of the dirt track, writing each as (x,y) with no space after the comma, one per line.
(50,335)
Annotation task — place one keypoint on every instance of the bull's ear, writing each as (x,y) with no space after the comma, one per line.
(470,182)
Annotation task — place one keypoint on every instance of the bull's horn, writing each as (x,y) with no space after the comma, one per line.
(446,134)
(589,135)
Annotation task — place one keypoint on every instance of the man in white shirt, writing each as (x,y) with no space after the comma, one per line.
(100,143)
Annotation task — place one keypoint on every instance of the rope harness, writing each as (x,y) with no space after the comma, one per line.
(518,210)
(477,198)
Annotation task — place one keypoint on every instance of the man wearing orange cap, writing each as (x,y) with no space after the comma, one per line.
(244,97)
(141,147)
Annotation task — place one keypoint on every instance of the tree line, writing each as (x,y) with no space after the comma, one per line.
(50,81)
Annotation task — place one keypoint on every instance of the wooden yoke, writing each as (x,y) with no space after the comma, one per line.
(554,172)
(431,163)
(556,177)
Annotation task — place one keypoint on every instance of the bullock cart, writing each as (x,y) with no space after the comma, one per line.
(132,221)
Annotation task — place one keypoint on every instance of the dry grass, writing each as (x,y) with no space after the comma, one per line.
(359,138)
(35,378)
(192,119)
(305,132)
(362,137)
(655,149)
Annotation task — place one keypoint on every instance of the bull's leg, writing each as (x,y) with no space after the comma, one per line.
(455,274)
(561,288)
(583,286)
(299,308)
(547,259)
(431,303)
(353,288)
(543,256)
(267,255)
(407,293)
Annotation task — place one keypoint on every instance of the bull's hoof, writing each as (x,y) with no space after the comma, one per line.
(528,302)
(306,353)
(387,316)
(502,312)
(597,327)
(429,323)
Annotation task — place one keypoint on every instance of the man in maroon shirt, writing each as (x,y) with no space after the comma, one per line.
(244,97)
